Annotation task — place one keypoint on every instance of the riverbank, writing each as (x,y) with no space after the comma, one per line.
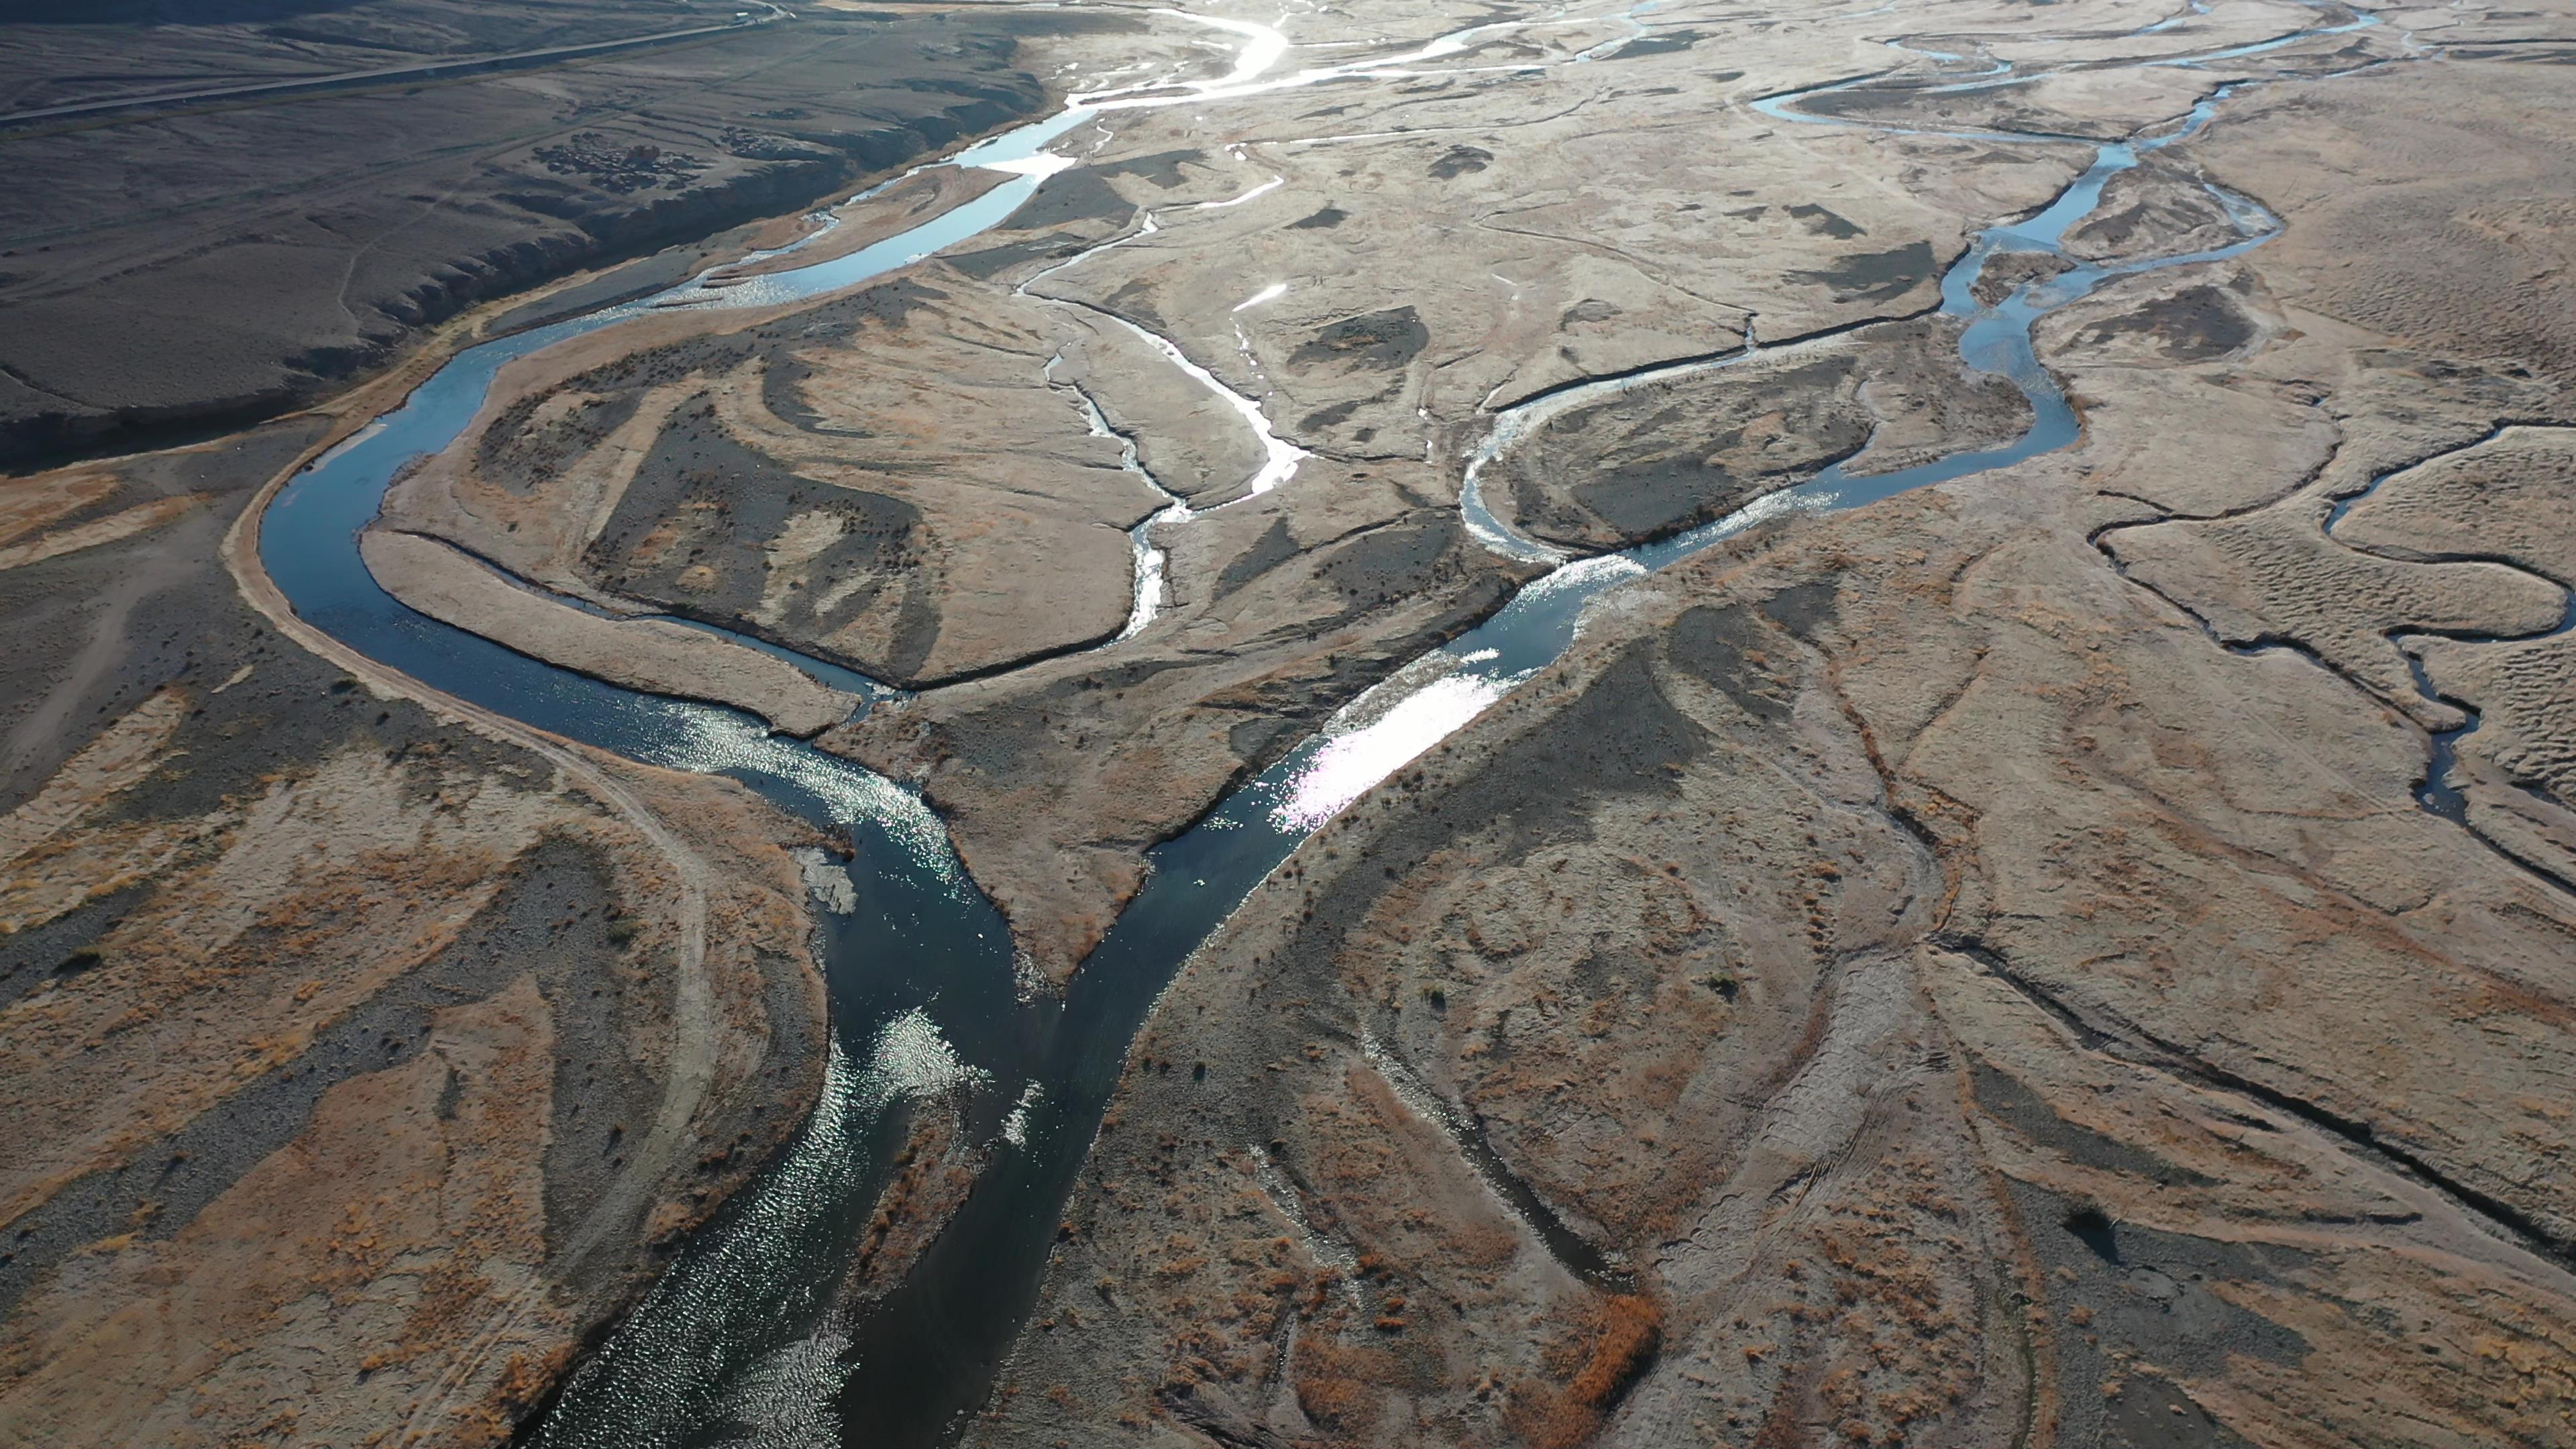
(1898,965)
(317,989)
(1870,964)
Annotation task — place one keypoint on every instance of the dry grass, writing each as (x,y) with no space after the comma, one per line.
(1617,1338)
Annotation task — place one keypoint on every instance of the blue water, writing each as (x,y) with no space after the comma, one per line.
(741,1338)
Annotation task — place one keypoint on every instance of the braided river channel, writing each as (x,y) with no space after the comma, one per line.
(740,1342)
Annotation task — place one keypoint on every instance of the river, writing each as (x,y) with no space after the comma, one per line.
(739,1342)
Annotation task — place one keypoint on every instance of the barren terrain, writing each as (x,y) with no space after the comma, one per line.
(175,269)
(364,1063)
(1974,970)
(2081,950)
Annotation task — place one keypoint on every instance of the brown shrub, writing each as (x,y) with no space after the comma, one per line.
(1624,1331)
(1338,1385)
(1629,1329)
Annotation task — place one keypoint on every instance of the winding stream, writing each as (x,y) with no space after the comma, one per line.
(741,1341)
(2440,791)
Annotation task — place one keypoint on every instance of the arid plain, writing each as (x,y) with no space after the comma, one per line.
(2035,902)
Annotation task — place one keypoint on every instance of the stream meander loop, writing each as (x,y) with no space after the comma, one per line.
(929,1009)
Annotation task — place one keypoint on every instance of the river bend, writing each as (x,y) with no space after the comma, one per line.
(739,1342)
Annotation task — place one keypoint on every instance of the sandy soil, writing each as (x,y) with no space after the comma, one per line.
(860,479)
(1872,1081)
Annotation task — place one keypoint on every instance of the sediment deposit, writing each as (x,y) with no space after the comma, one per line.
(2034,904)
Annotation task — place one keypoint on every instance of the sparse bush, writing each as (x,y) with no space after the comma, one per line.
(1626,1331)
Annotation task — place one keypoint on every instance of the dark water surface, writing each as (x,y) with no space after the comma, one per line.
(740,1341)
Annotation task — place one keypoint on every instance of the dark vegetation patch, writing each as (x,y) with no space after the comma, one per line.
(886,304)
(1660,459)
(2192,325)
(519,455)
(1135,301)
(1662,42)
(1005,736)
(1621,737)
(1330,417)
(1394,562)
(1801,608)
(1826,223)
(987,263)
(619,166)
(2007,272)
(1274,547)
(783,346)
(1459,161)
(1075,196)
(177,602)
(1163,168)
(777,345)
(692,533)
(2005,1099)
(1383,340)
(38,956)
(2548,54)
(1725,648)
(2147,1297)
(1874,276)
(1256,736)
(559,916)
(2160,204)
(1861,100)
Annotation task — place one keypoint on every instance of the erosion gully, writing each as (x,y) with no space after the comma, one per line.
(742,1340)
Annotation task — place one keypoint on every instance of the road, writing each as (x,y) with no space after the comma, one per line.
(428,70)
